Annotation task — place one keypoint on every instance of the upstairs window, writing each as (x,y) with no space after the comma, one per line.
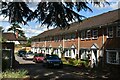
(82,35)
(118,31)
(72,36)
(56,39)
(95,34)
(88,34)
(67,37)
(110,32)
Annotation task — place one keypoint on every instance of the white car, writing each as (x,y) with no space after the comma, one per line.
(28,55)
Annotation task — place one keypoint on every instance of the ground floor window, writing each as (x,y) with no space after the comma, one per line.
(68,53)
(113,56)
(84,54)
(56,51)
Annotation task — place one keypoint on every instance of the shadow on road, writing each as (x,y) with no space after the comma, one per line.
(37,71)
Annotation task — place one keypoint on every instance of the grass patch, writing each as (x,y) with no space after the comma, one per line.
(20,73)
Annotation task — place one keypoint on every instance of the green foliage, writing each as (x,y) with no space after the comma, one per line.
(28,44)
(84,63)
(58,13)
(17,28)
(71,61)
(21,73)
(75,62)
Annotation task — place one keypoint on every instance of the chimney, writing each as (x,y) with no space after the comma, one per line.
(16,34)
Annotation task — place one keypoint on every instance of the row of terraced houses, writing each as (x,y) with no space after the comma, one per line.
(95,38)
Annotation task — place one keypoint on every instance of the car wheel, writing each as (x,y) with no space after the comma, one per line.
(35,61)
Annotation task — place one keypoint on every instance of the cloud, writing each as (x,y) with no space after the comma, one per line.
(3,19)
(116,5)
(32,5)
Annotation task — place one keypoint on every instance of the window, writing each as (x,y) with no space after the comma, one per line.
(83,54)
(67,37)
(68,53)
(118,31)
(113,57)
(95,34)
(56,51)
(82,35)
(109,32)
(72,36)
(56,39)
(88,34)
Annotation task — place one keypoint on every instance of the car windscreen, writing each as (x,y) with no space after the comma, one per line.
(22,51)
(52,57)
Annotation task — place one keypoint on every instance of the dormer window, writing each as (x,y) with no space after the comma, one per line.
(88,34)
(82,35)
(95,34)
(110,32)
(73,36)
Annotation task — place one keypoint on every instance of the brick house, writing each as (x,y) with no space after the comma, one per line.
(96,38)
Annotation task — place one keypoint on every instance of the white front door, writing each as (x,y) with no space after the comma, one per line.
(94,59)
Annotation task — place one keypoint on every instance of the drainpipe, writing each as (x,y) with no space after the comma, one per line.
(63,43)
(45,47)
(78,45)
(63,46)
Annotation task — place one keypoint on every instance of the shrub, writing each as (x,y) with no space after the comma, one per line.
(15,73)
(71,61)
(77,62)
(84,63)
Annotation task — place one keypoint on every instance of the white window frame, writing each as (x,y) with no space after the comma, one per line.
(117,57)
(117,30)
(82,35)
(88,34)
(68,53)
(108,31)
(95,34)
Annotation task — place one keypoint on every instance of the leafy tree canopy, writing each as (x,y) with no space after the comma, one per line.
(17,30)
(49,13)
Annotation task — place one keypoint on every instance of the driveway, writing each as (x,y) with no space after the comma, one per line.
(37,71)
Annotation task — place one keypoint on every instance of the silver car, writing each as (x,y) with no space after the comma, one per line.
(28,55)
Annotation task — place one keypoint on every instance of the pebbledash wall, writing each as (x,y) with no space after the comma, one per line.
(96,38)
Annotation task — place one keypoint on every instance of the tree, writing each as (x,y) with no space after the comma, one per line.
(17,29)
(28,44)
(50,13)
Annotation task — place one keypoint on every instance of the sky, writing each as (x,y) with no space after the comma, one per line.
(33,28)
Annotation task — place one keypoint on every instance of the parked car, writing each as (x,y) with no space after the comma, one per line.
(52,61)
(21,53)
(28,55)
(38,57)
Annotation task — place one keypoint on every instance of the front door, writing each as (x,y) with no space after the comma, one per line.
(94,57)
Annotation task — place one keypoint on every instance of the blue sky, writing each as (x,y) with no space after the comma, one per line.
(34,28)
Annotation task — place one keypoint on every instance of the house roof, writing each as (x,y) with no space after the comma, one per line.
(11,37)
(92,22)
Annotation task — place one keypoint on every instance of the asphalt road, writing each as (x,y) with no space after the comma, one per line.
(37,71)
